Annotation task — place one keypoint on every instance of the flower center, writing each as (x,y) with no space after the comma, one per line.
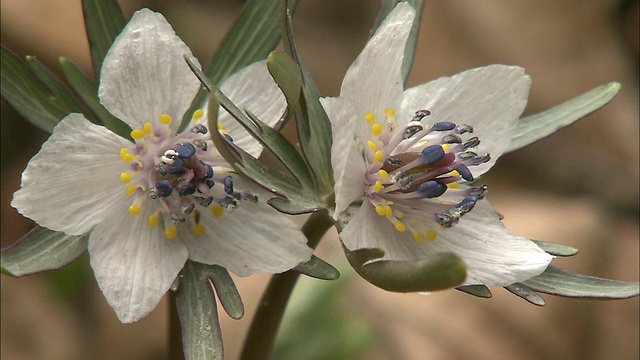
(182,177)
(414,173)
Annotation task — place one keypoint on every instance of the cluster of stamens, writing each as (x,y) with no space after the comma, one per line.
(414,173)
(180,176)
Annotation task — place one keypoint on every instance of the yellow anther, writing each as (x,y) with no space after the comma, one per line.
(372,145)
(147,128)
(399,214)
(131,190)
(446,147)
(170,232)
(125,177)
(383,174)
(417,236)
(134,209)
(377,157)
(217,210)
(453,185)
(153,220)
(388,211)
(380,210)
(454,173)
(125,155)
(199,229)
(165,119)
(400,226)
(390,112)
(369,117)
(376,129)
(377,186)
(137,134)
(197,114)
(431,234)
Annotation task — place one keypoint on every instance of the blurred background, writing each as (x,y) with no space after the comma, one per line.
(578,187)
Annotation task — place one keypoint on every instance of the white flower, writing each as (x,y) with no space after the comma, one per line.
(153,204)
(409,154)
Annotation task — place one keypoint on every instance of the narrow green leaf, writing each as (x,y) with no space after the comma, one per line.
(40,250)
(226,290)
(296,205)
(386,7)
(28,95)
(318,268)
(197,309)
(476,290)
(438,272)
(556,249)
(314,128)
(526,293)
(88,91)
(286,74)
(103,21)
(58,89)
(557,281)
(535,127)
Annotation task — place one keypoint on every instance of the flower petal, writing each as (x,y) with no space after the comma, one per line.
(346,160)
(134,263)
(493,255)
(73,182)
(374,81)
(253,238)
(491,99)
(254,89)
(144,74)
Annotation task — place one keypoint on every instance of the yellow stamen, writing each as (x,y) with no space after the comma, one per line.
(170,232)
(417,236)
(147,128)
(431,234)
(377,157)
(377,186)
(383,174)
(217,210)
(134,209)
(153,220)
(125,155)
(165,119)
(199,229)
(376,129)
(131,190)
(453,185)
(372,145)
(380,210)
(446,147)
(399,214)
(197,114)
(137,134)
(390,112)
(369,117)
(388,211)
(400,226)
(125,177)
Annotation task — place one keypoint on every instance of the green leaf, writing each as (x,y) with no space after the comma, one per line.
(438,272)
(476,290)
(252,37)
(318,268)
(525,293)
(557,281)
(314,128)
(226,290)
(103,21)
(535,127)
(410,50)
(556,249)
(29,96)
(57,87)
(41,249)
(197,309)
(284,70)
(88,91)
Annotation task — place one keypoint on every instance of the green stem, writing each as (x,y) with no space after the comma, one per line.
(176,350)
(264,327)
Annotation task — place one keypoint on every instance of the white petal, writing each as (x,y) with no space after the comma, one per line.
(346,160)
(374,82)
(491,99)
(133,263)
(144,74)
(252,88)
(253,238)
(492,254)
(73,182)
